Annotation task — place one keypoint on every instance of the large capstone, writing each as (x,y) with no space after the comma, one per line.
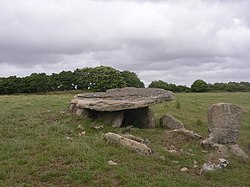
(120,107)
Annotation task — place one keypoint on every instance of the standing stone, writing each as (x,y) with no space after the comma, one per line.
(224,127)
(169,122)
(224,123)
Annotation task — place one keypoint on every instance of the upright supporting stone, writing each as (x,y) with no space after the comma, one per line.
(115,118)
(83,113)
(150,119)
(72,107)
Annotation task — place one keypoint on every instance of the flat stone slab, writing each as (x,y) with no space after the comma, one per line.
(129,142)
(121,99)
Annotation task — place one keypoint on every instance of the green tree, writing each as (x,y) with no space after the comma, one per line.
(2,79)
(10,85)
(219,86)
(53,82)
(65,80)
(231,87)
(246,85)
(159,84)
(131,79)
(235,87)
(182,88)
(83,78)
(199,86)
(100,78)
(36,82)
(172,87)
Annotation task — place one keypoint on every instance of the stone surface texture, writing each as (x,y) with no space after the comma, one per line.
(236,150)
(129,143)
(188,133)
(221,163)
(224,122)
(121,99)
(169,122)
(177,127)
(224,127)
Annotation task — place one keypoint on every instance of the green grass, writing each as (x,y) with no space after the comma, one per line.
(35,151)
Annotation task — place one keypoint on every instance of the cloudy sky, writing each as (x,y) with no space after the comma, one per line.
(177,41)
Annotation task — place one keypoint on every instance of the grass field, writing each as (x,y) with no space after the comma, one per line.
(35,151)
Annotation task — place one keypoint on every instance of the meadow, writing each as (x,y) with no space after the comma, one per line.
(40,145)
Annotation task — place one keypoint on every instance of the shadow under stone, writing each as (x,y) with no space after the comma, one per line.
(140,118)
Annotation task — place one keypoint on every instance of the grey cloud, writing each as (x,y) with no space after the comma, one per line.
(176,41)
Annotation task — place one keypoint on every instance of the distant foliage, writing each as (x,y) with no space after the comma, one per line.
(65,80)
(99,78)
(132,80)
(172,87)
(102,78)
(10,85)
(199,86)
(230,87)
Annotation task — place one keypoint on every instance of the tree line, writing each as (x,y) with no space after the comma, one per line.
(99,78)
(102,78)
(201,86)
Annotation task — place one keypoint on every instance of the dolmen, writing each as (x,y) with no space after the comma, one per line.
(121,107)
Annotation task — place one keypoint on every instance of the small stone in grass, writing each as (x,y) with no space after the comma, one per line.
(98,127)
(195,164)
(69,138)
(205,152)
(83,133)
(80,127)
(162,157)
(185,169)
(172,151)
(112,163)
